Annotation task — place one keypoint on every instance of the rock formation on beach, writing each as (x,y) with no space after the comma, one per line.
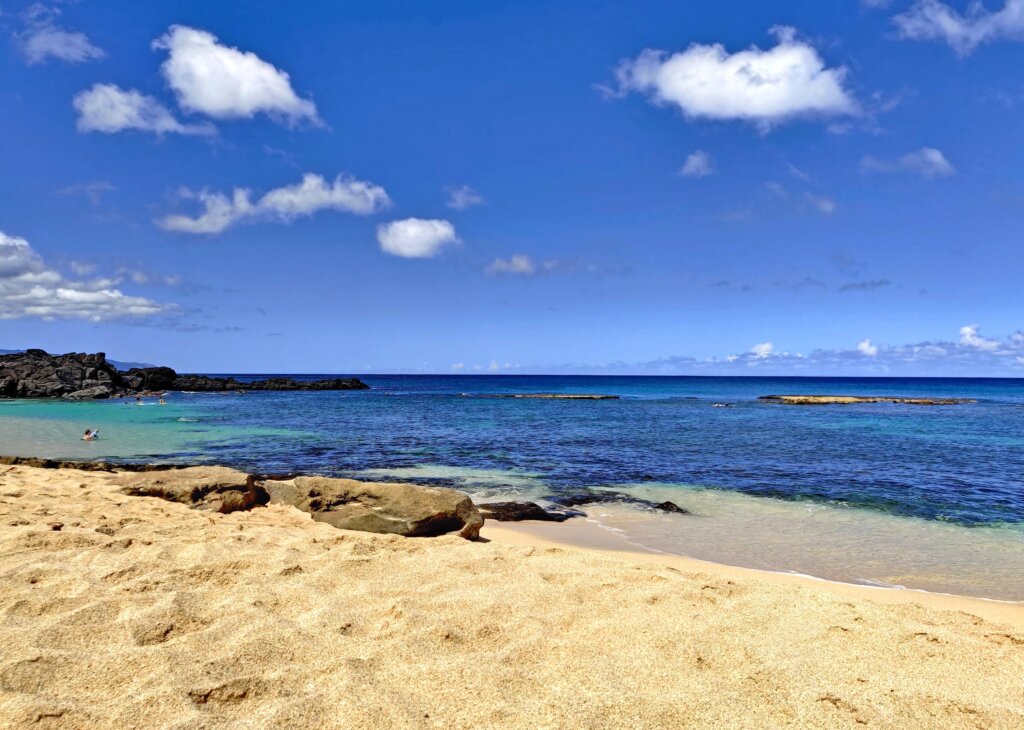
(80,376)
(381,507)
(818,400)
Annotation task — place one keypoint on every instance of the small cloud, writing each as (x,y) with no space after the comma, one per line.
(935,21)
(225,83)
(519,264)
(866,348)
(928,162)
(44,39)
(458,367)
(969,337)
(109,109)
(764,87)
(462,196)
(698,164)
(416,238)
(762,349)
(312,195)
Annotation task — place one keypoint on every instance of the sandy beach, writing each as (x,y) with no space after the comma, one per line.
(139,612)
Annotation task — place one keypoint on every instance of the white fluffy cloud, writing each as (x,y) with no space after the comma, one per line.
(462,196)
(283,204)
(969,337)
(765,87)
(224,82)
(29,288)
(933,20)
(762,349)
(416,238)
(698,164)
(927,162)
(864,347)
(108,108)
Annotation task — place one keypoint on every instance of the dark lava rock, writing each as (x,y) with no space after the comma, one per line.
(37,374)
(208,384)
(80,376)
(585,498)
(519,511)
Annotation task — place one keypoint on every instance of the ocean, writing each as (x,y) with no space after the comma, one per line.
(927,497)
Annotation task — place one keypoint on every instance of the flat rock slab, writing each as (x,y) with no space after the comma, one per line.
(214,488)
(383,507)
(819,400)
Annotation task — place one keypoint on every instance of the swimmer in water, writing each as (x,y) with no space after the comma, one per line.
(89,435)
(162,401)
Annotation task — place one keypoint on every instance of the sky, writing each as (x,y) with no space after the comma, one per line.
(656,187)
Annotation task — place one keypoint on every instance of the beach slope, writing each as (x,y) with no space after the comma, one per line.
(139,612)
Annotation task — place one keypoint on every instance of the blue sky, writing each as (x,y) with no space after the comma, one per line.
(649,187)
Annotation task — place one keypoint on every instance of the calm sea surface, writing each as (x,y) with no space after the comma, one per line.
(929,497)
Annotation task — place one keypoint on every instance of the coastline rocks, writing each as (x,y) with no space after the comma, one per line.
(214,488)
(382,507)
(94,393)
(79,376)
(818,400)
(545,396)
(208,384)
(519,511)
(37,374)
(153,378)
(576,500)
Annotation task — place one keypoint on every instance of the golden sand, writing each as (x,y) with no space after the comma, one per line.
(144,613)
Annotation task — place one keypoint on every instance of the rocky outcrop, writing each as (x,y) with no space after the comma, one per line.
(151,378)
(606,497)
(78,376)
(400,509)
(206,383)
(213,488)
(819,400)
(37,374)
(41,463)
(94,393)
(520,511)
(546,396)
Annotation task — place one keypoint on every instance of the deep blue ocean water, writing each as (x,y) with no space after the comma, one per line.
(963,464)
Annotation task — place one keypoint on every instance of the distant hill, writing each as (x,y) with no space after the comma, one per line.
(119,364)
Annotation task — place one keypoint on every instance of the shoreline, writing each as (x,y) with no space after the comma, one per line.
(585,535)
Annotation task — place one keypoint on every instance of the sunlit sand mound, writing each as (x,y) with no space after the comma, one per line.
(139,612)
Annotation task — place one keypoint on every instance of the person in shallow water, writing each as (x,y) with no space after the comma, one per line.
(162,401)
(138,400)
(90,435)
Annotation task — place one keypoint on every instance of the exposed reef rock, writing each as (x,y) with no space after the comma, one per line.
(818,400)
(544,396)
(401,509)
(603,497)
(205,383)
(80,376)
(41,463)
(519,511)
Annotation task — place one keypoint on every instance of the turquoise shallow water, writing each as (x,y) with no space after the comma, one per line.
(869,481)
